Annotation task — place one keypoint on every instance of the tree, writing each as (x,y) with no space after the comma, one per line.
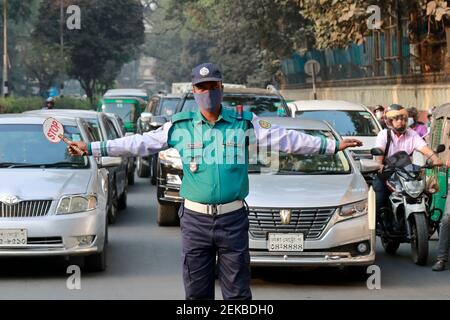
(248,39)
(111,34)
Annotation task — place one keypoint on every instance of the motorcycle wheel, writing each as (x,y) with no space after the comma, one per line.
(390,246)
(419,238)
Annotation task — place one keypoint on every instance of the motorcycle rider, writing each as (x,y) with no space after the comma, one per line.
(397,137)
(415,124)
(49,104)
(379,114)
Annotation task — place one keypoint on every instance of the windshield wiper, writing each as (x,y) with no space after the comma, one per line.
(46,165)
(9,164)
(305,173)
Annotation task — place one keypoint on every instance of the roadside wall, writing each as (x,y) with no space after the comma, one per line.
(422,97)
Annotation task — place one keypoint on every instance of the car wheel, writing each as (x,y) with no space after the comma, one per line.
(97,262)
(390,246)
(143,171)
(154,170)
(167,215)
(131,176)
(122,203)
(113,208)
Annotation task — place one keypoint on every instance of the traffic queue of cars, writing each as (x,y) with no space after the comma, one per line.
(315,215)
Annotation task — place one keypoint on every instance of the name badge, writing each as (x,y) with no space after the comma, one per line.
(194,145)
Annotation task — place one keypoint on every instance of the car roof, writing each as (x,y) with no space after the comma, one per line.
(65,112)
(125,92)
(301,105)
(248,91)
(167,96)
(300,124)
(442,111)
(140,100)
(35,119)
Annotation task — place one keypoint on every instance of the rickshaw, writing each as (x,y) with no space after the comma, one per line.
(440,134)
(129,109)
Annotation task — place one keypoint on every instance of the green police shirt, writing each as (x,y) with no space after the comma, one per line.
(214,156)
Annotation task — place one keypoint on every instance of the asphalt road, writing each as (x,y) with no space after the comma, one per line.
(144,263)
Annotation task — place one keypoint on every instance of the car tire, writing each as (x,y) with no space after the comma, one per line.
(154,170)
(167,215)
(97,262)
(390,246)
(113,208)
(131,176)
(122,203)
(143,171)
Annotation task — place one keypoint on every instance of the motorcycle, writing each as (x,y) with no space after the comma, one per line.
(405,218)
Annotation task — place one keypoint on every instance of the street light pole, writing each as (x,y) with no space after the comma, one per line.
(5,49)
(61,35)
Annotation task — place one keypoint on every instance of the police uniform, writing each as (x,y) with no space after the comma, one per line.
(213,219)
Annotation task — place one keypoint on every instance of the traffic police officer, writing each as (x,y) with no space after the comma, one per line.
(214,220)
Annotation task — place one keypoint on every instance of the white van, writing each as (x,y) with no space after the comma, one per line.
(350,120)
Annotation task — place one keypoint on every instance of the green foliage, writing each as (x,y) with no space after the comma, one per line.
(19,104)
(111,34)
(248,39)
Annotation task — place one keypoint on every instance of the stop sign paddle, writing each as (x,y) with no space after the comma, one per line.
(54,132)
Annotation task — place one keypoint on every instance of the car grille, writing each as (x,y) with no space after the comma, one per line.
(25,209)
(310,222)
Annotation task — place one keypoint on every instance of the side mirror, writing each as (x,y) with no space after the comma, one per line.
(108,162)
(377,152)
(158,121)
(440,148)
(368,166)
(146,117)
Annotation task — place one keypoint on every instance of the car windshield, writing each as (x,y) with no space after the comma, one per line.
(124,110)
(291,164)
(169,106)
(262,106)
(346,123)
(23,145)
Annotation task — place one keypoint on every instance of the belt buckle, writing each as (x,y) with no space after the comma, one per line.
(212,209)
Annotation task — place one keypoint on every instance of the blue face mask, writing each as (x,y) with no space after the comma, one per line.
(209,101)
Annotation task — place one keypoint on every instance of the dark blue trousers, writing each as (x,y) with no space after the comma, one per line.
(205,238)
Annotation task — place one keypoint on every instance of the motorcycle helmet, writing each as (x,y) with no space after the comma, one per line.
(396,111)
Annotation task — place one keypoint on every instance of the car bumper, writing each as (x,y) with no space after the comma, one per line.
(58,235)
(336,247)
(169,193)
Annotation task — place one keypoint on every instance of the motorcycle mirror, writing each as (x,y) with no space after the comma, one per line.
(377,152)
(440,148)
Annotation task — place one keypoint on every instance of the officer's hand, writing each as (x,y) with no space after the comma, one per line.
(349,143)
(81,145)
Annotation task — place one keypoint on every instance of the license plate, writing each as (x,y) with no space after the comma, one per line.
(285,242)
(13,238)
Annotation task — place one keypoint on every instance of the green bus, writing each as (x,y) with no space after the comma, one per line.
(129,109)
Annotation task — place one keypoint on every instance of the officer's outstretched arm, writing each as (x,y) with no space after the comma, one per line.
(134,145)
(293,141)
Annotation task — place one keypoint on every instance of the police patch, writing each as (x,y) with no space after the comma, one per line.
(264,124)
(204,71)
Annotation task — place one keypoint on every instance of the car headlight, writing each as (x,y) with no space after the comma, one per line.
(76,204)
(414,188)
(354,210)
(172,158)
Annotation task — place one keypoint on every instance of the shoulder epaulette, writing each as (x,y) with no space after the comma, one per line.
(189,115)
